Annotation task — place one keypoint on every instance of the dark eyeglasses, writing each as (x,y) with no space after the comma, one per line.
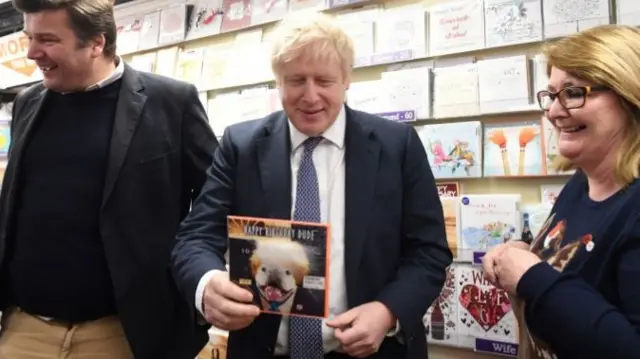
(570,97)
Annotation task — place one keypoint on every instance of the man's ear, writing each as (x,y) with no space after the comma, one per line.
(97,45)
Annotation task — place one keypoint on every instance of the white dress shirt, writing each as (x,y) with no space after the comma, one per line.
(329,162)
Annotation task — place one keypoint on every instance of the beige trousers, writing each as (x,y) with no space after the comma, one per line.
(24,336)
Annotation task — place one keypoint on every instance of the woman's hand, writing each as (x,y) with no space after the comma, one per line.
(511,265)
(489,259)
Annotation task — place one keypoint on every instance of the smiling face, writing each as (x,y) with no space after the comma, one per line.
(278,267)
(586,135)
(312,93)
(66,63)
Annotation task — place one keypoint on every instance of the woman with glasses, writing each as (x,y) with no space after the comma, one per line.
(576,286)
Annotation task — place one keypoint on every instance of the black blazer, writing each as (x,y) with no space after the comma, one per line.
(395,245)
(160,148)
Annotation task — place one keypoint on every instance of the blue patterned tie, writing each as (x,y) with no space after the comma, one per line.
(305,334)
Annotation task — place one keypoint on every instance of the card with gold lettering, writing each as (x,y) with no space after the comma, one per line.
(285,264)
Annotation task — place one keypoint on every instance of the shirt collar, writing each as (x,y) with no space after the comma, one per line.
(115,76)
(334,134)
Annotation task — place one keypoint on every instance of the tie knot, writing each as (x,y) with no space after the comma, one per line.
(311,143)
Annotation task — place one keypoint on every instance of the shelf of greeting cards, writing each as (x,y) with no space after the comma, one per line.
(240,77)
(158,5)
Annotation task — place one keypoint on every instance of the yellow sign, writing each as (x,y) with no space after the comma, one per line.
(15,67)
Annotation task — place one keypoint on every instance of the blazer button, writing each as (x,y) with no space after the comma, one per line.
(269,349)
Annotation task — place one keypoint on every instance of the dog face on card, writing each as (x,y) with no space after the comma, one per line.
(278,268)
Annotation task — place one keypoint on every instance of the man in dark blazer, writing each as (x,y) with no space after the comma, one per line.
(103,166)
(320,161)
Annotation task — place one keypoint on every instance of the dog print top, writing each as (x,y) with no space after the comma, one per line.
(572,228)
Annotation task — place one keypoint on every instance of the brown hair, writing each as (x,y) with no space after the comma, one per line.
(606,55)
(89,18)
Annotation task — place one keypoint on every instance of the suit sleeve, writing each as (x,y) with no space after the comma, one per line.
(202,239)
(199,142)
(577,318)
(425,252)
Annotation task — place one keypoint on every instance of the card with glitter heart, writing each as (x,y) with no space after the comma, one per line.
(484,311)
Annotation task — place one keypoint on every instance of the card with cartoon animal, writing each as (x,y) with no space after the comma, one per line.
(484,310)
(441,319)
(513,149)
(551,246)
(487,221)
(454,149)
(285,264)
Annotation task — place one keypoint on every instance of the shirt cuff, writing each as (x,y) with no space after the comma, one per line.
(200,289)
(393,332)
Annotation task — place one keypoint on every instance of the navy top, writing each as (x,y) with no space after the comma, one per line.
(58,267)
(583,300)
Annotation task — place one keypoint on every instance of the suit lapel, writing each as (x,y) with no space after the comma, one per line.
(131,101)
(31,110)
(274,161)
(361,164)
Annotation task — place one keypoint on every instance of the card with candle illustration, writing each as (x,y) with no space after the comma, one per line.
(550,147)
(454,149)
(513,149)
(485,222)
(484,311)
(441,319)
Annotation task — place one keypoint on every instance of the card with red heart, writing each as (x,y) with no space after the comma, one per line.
(484,311)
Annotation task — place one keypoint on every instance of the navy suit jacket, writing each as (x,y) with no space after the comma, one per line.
(395,246)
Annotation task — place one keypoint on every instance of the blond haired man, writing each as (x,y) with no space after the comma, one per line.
(319,160)
(103,166)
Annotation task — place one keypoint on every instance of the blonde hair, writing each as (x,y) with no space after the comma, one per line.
(606,55)
(314,36)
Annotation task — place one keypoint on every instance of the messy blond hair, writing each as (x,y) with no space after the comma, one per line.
(313,35)
(606,55)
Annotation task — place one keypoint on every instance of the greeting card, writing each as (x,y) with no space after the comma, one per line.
(505,84)
(408,89)
(487,221)
(441,320)
(263,11)
(454,149)
(455,91)
(456,26)
(402,28)
(206,19)
(509,22)
(237,15)
(564,17)
(173,24)
(485,311)
(513,149)
(150,31)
